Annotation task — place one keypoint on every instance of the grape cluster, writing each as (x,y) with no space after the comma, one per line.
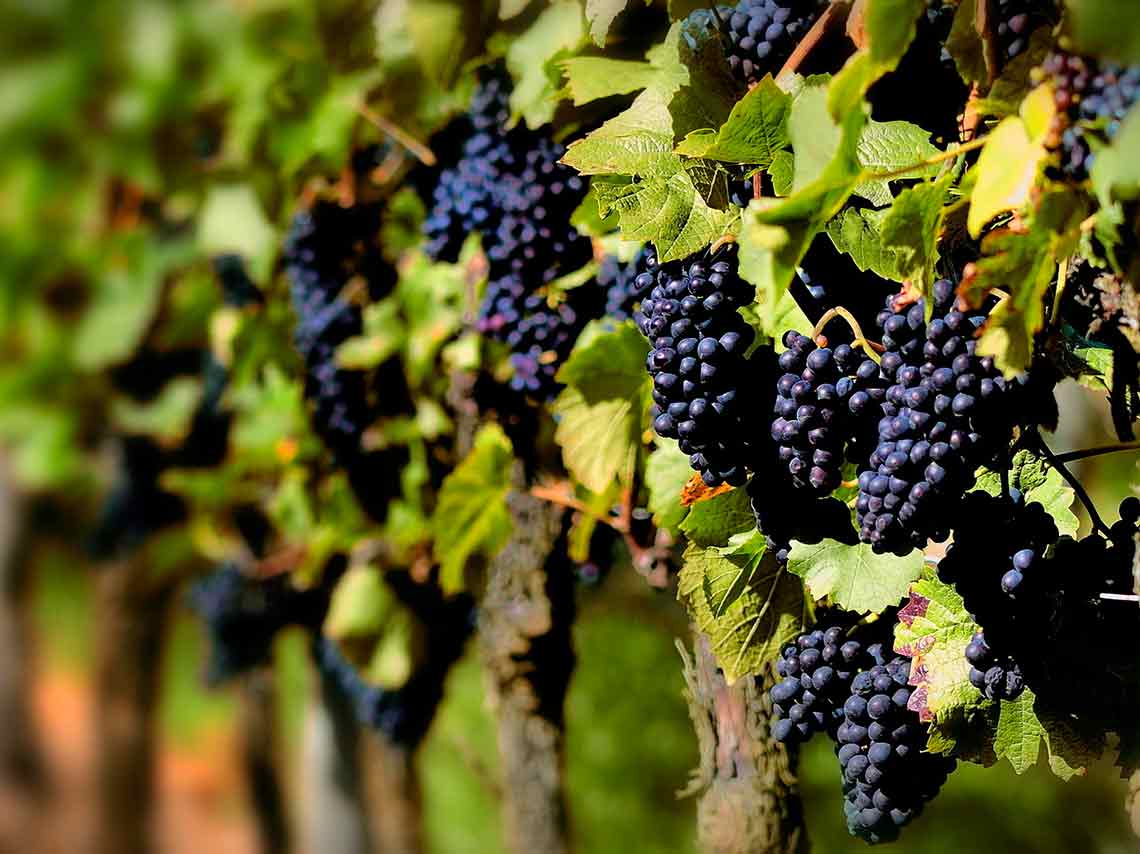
(243,616)
(997,677)
(826,403)
(1041,609)
(1092,100)
(697,360)
(464,197)
(760,35)
(324,247)
(887,778)
(816,670)
(625,284)
(1015,22)
(509,186)
(946,412)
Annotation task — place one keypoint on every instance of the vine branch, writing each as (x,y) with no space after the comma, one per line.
(1085,453)
(1082,494)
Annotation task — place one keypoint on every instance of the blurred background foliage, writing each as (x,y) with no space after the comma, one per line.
(141,138)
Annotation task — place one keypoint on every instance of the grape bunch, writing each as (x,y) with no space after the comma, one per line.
(463,199)
(244,614)
(1015,22)
(826,402)
(322,250)
(544,335)
(887,776)
(697,360)
(626,284)
(509,186)
(1091,100)
(997,677)
(816,670)
(947,411)
(760,35)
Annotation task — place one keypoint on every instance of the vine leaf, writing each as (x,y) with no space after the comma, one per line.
(1021,730)
(713,522)
(1040,482)
(638,141)
(666,472)
(1011,161)
(888,147)
(965,45)
(748,620)
(911,229)
(533,59)
(670,212)
(775,235)
(471,515)
(858,233)
(589,78)
(361,603)
(1106,28)
(755,131)
(1115,174)
(601,15)
(933,629)
(854,576)
(601,412)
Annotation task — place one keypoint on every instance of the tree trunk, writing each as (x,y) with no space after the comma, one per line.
(335,812)
(749,797)
(21,763)
(259,734)
(394,796)
(131,613)
(524,629)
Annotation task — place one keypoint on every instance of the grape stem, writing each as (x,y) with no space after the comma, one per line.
(1085,453)
(813,37)
(424,154)
(1054,461)
(869,347)
(1059,292)
(557,494)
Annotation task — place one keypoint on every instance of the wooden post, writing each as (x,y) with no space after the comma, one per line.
(524,631)
(259,735)
(749,797)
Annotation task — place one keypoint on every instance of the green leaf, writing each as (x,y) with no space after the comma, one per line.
(232,220)
(472,516)
(933,629)
(1107,28)
(713,522)
(670,212)
(638,141)
(888,147)
(436,31)
(167,417)
(966,47)
(361,603)
(1115,172)
(911,229)
(589,78)
(858,233)
(774,235)
(1038,481)
(890,26)
(666,472)
(601,412)
(1011,161)
(601,15)
(782,172)
(1022,728)
(762,604)
(533,59)
(855,577)
(1016,79)
(754,132)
